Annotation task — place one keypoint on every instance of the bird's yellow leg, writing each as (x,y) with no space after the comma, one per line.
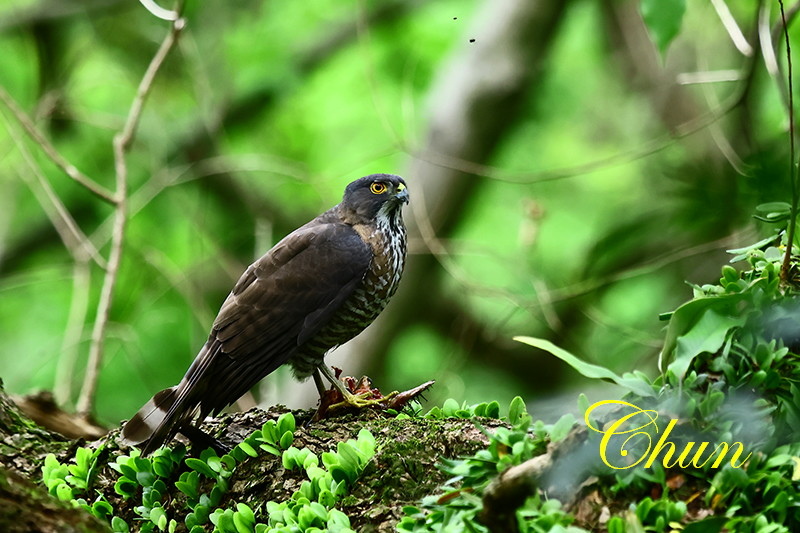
(359,401)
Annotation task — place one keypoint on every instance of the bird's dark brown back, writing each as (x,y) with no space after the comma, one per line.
(314,290)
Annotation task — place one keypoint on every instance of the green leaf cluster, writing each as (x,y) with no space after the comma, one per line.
(453,409)
(150,474)
(273,437)
(204,481)
(67,481)
(458,507)
(730,371)
(649,515)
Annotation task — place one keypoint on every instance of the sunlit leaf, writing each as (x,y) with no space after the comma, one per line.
(588,369)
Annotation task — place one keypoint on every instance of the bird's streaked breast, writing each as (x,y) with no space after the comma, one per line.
(387,240)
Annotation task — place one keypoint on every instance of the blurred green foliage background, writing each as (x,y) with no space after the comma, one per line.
(556,188)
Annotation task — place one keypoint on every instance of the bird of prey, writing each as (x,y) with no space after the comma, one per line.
(316,289)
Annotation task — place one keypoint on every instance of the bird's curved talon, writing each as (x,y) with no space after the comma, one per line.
(362,401)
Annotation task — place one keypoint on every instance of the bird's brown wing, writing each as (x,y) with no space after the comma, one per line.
(288,294)
(283,298)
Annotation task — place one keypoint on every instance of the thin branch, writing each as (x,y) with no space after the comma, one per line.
(75,241)
(708,76)
(122,142)
(768,51)
(48,148)
(786,21)
(646,149)
(718,136)
(158,11)
(735,33)
(73,332)
(785,268)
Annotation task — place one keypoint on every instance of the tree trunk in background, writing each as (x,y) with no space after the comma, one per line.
(474,103)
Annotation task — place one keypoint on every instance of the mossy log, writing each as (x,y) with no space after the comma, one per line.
(401,473)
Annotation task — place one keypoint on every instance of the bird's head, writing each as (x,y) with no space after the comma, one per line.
(375,196)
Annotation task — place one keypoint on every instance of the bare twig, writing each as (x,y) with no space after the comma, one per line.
(73,332)
(158,11)
(785,268)
(508,491)
(735,33)
(48,148)
(768,51)
(786,20)
(646,149)
(122,142)
(75,241)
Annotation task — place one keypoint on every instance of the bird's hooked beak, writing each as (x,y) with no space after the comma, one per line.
(401,193)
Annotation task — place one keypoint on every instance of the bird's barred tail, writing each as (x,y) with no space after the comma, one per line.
(153,421)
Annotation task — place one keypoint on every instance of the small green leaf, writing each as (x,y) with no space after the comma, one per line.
(342,474)
(246,512)
(247,449)
(450,407)
(435,413)
(127,471)
(311,460)
(125,487)
(101,509)
(286,439)
(326,498)
(366,443)
(64,492)
(145,479)
(286,423)
(216,495)
(77,482)
(202,513)
(118,525)
(713,524)
(215,464)
(493,409)
(329,459)
(162,468)
(269,448)
(289,458)
(587,369)
(663,19)
(229,462)
(516,409)
(158,516)
(224,520)
(562,427)
(200,467)
(269,432)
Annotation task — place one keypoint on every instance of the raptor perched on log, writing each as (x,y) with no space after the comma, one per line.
(316,289)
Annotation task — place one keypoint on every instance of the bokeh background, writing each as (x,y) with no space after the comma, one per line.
(566,176)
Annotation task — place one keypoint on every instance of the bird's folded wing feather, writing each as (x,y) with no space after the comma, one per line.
(284,298)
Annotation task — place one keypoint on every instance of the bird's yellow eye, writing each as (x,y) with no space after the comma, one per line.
(378,187)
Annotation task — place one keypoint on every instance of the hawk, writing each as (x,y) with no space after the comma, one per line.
(316,289)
